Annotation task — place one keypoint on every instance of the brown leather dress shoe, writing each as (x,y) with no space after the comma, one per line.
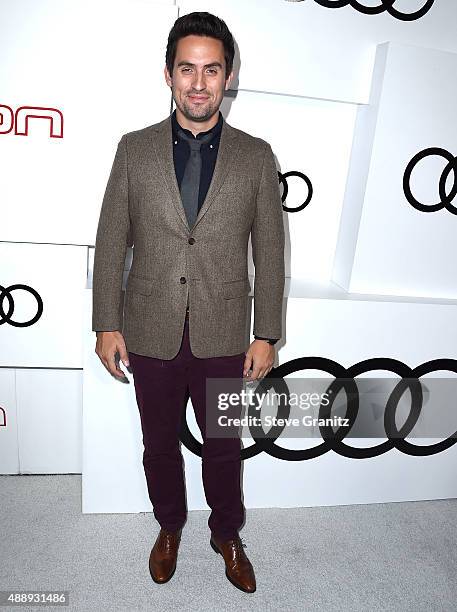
(238,568)
(162,560)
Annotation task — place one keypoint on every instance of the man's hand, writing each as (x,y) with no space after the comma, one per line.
(108,343)
(260,357)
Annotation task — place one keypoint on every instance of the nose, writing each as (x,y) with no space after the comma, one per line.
(199,82)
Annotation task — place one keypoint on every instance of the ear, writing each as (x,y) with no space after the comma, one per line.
(168,78)
(228,81)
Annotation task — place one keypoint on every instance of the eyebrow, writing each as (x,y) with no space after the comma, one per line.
(184,63)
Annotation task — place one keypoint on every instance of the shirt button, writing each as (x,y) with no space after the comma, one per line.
(191,240)
(182,280)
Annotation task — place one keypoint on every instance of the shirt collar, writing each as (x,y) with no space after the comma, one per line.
(215,130)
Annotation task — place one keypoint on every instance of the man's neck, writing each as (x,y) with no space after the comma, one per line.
(195,126)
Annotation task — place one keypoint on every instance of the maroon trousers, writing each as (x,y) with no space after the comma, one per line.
(162,388)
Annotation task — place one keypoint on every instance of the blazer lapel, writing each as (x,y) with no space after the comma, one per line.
(163,148)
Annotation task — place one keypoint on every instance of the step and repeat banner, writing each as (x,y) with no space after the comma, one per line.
(357,101)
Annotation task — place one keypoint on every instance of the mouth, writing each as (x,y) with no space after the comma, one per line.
(198,98)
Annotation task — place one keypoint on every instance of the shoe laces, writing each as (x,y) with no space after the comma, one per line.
(167,540)
(239,544)
(167,543)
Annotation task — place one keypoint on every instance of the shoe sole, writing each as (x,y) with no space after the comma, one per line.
(216,550)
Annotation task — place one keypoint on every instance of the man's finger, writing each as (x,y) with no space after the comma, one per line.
(123,353)
(247,364)
(255,372)
(260,371)
(113,368)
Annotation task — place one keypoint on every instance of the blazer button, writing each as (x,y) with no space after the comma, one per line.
(191,240)
(182,280)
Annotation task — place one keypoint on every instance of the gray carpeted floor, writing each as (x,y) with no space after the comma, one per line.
(396,556)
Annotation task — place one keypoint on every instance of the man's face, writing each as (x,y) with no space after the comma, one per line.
(198,81)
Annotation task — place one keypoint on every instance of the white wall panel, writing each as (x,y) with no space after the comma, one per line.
(401,250)
(58,273)
(49,406)
(100,65)
(306,49)
(9,451)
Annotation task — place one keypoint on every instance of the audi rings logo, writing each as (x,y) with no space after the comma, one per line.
(446,199)
(283,181)
(7,317)
(384,5)
(344,378)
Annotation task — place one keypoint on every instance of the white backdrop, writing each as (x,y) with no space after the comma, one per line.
(344,98)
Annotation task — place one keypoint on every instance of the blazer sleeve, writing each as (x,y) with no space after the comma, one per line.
(112,239)
(267,239)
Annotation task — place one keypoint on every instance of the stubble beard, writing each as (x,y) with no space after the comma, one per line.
(197,112)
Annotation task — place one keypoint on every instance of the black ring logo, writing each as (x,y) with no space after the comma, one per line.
(445,199)
(334,441)
(6,317)
(385,5)
(283,181)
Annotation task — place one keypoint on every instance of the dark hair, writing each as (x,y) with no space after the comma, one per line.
(200,24)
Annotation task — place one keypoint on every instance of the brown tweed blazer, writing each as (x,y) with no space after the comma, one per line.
(142,208)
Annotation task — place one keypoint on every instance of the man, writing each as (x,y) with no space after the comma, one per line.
(186,193)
